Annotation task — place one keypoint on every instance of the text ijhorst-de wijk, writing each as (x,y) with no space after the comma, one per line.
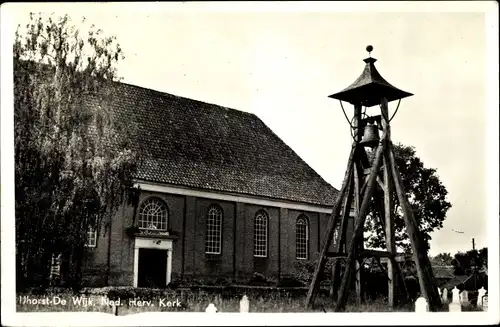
(93,301)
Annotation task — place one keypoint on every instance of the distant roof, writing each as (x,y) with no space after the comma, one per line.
(467,281)
(191,143)
(445,272)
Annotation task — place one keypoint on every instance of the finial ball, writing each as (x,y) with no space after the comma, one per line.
(369,48)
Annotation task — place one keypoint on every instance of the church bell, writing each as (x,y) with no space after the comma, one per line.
(370,136)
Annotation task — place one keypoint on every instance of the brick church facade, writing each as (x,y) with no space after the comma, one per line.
(220,195)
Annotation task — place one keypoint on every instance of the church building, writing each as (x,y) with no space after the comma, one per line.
(221,196)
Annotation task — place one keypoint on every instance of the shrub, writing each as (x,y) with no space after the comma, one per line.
(222,281)
(259,279)
(290,281)
(304,270)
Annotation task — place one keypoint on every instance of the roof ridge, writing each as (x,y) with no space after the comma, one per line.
(184,97)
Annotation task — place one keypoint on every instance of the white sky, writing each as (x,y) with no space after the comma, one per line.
(281,63)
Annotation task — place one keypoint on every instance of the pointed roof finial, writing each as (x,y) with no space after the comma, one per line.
(369,48)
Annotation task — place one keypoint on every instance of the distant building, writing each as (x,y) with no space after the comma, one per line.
(443,274)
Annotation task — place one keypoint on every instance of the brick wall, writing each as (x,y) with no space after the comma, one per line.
(214,265)
(187,220)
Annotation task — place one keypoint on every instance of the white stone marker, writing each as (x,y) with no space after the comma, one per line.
(481,293)
(421,305)
(211,308)
(455,305)
(464,298)
(244,304)
(445,295)
(455,298)
(485,303)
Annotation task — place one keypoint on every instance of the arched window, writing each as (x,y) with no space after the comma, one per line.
(153,214)
(213,240)
(302,237)
(260,234)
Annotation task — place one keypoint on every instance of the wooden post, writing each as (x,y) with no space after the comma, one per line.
(357,193)
(332,223)
(342,236)
(398,274)
(389,223)
(422,262)
(358,230)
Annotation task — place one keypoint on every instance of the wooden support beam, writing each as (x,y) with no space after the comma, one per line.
(358,230)
(424,269)
(366,171)
(346,209)
(357,281)
(365,183)
(358,195)
(388,218)
(332,223)
(380,183)
(376,253)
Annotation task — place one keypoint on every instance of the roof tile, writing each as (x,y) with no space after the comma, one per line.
(191,143)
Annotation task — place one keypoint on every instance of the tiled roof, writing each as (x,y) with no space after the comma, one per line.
(456,281)
(195,144)
(445,272)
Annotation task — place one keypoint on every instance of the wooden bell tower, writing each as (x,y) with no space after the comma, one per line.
(366,179)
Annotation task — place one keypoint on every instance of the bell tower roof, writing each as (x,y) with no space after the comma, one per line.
(370,87)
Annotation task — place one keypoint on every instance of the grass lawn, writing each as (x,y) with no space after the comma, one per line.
(191,301)
(187,302)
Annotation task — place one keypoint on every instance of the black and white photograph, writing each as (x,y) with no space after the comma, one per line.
(249,163)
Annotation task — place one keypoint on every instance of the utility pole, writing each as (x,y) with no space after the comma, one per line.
(473,244)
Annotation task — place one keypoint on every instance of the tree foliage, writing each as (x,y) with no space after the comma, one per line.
(464,263)
(442,259)
(427,198)
(72,161)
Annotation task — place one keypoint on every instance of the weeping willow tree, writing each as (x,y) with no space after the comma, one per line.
(73,164)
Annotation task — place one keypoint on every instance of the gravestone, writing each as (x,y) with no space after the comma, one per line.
(455,298)
(455,305)
(445,295)
(211,308)
(464,298)
(421,305)
(244,304)
(485,303)
(481,293)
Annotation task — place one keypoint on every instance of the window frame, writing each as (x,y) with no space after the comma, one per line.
(264,217)
(164,215)
(305,225)
(91,235)
(218,236)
